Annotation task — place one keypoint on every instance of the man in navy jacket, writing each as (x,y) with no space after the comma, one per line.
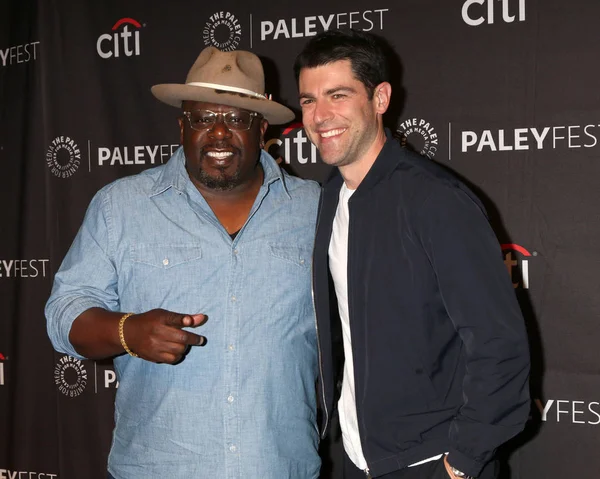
(436,359)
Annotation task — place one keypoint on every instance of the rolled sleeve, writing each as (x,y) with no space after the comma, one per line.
(87,277)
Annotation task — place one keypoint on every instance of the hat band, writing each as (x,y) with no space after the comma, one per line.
(228,88)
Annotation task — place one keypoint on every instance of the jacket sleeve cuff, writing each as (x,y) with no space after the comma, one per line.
(464,463)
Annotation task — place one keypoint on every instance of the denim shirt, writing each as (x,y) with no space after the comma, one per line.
(244,405)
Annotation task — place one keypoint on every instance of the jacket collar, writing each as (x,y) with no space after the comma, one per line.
(386,162)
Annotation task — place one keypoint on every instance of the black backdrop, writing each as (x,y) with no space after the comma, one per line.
(503,92)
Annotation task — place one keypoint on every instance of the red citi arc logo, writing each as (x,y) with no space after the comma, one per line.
(517,263)
(2,358)
(118,44)
(304,151)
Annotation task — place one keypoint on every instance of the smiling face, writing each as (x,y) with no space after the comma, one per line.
(220,159)
(338,116)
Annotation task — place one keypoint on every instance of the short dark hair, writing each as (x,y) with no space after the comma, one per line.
(364,50)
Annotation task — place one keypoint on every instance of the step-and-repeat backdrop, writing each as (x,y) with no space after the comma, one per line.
(504,92)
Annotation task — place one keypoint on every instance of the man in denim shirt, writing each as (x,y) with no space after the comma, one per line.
(196,276)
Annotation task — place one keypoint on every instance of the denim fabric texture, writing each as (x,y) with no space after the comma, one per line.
(243,405)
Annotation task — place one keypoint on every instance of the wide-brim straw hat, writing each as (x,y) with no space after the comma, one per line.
(227,78)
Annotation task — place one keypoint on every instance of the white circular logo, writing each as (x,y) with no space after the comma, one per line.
(222,30)
(63,157)
(419,135)
(70,376)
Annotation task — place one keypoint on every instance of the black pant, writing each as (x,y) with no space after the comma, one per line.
(429,470)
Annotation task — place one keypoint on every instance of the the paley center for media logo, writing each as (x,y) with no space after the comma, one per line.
(123,41)
(222,30)
(70,376)
(419,135)
(64,156)
(72,379)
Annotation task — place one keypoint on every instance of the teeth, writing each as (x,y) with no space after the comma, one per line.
(219,154)
(331,133)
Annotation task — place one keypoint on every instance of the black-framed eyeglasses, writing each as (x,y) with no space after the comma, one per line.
(201,120)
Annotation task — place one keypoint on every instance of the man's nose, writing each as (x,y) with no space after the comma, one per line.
(322,112)
(219,128)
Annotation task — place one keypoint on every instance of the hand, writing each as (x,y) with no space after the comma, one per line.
(448,470)
(157,335)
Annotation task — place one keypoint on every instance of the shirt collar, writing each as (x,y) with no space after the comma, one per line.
(174,174)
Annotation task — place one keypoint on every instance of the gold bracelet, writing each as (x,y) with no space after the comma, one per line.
(122,336)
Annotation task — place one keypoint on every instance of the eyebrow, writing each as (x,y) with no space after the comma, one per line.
(330,91)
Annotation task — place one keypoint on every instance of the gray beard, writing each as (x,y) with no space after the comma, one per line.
(220,183)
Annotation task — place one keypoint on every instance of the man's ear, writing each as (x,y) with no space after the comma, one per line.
(181,127)
(382,96)
(264,124)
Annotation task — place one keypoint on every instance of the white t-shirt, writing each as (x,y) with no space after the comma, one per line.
(338,265)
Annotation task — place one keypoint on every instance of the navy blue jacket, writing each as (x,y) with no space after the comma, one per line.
(441,357)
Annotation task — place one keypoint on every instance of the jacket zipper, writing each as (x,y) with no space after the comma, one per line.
(320,354)
(367,471)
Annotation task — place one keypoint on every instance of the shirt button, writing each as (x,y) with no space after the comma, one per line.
(231,347)
(230,399)
(165,261)
(233,298)
(232,448)
(235,251)
(301,261)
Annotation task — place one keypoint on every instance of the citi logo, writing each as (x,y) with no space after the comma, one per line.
(477,12)
(117,44)
(294,147)
(516,259)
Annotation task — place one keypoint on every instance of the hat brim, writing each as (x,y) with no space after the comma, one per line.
(173,94)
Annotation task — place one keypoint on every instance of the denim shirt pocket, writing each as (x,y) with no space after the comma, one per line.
(298,255)
(164,274)
(289,269)
(165,256)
